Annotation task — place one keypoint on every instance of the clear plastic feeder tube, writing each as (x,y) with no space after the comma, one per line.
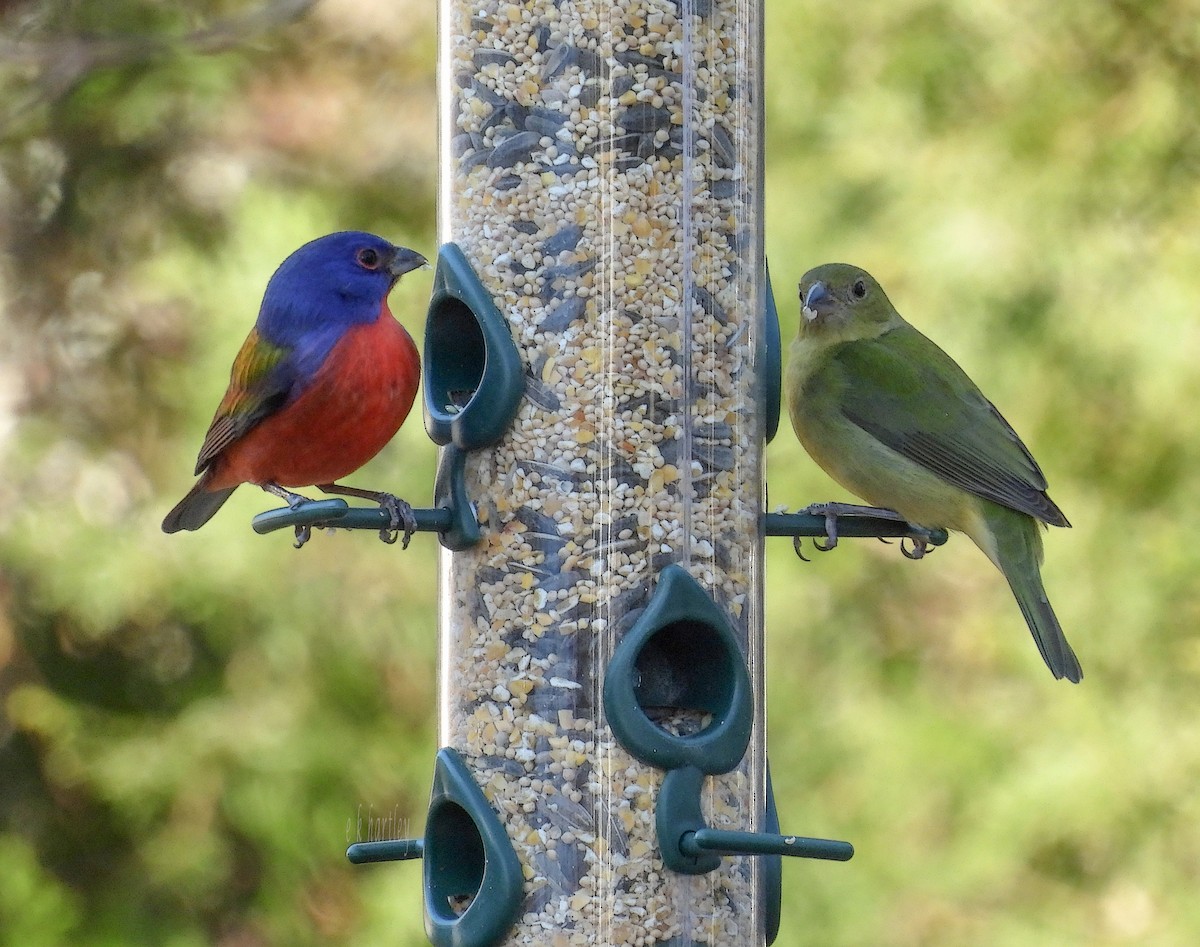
(601,171)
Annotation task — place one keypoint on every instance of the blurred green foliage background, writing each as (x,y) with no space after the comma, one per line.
(191,727)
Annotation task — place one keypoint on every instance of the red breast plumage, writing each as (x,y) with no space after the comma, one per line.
(353,406)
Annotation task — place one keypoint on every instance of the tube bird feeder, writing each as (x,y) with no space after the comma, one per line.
(601,372)
(601,177)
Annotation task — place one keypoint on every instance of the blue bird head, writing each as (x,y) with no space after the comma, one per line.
(332,283)
(328,286)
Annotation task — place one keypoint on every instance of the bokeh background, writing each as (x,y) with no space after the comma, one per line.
(192,727)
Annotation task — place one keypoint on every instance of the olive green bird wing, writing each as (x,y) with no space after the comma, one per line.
(262,381)
(911,396)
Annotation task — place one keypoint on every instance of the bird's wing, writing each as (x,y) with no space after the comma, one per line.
(262,381)
(910,395)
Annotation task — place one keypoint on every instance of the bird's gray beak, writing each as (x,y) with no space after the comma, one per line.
(405,261)
(818,293)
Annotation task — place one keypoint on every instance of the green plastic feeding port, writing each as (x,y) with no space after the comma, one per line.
(450,493)
(387,850)
(680,663)
(473,878)
(770,871)
(473,379)
(677,692)
(690,847)
(772,360)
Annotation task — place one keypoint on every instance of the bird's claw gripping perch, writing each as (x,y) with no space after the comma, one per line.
(831,532)
(831,512)
(919,546)
(303,533)
(293,499)
(916,542)
(400,514)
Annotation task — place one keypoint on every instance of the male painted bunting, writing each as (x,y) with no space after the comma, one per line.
(893,419)
(324,380)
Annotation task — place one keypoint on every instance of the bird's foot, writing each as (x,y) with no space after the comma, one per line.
(400,513)
(293,499)
(916,546)
(831,512)
(919,546)
(303,533)
(831,530)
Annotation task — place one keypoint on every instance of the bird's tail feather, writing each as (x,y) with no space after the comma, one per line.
(1014,543)
(196,509)
(1043,624)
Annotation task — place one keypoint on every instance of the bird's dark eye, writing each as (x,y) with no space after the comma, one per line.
(859,289)
(367,258)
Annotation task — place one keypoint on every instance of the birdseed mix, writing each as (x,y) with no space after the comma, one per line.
(602,174)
